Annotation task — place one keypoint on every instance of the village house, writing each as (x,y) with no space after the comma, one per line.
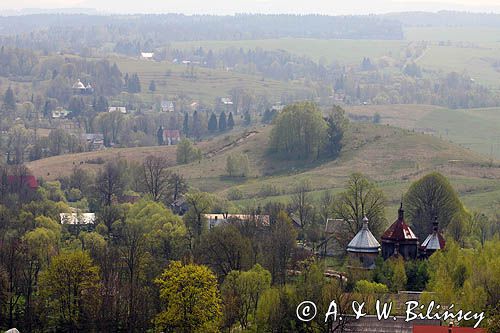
(60,113)
(77,218)
(171,137)
(93,141)
(147,55)
(167,106)
(217,219)
(121,109)
(80,89)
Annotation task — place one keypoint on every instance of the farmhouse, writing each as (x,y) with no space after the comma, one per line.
(171,137)
(80,89)
(147,55)
(217,219)
(77,218)
(94,141)
(167,106)
(60,113)
(121,109)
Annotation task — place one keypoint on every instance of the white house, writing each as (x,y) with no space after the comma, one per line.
(147,55)
(77,218)
(121,109)
(217,219)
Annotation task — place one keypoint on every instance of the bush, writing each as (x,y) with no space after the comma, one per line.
(234,194)
(367,287)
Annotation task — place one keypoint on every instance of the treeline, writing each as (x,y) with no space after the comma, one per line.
(446,18)
(58,32)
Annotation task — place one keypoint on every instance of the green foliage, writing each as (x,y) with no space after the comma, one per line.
(468,278)
(223,122)
(299,131)
(361,198)
(152,86)
(187,153)
(243,290)
(9,100)
(70,288)
(237,165)
(192,301)
(235,193)
(337,124)
(212,123)
(430,197)
(367,287)
(230,121)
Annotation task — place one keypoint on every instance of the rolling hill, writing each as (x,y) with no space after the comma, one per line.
(391,156)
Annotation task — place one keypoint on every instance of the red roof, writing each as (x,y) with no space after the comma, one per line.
(29,181)
(172,134)
(399,230)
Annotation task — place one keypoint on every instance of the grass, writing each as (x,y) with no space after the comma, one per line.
(475,129)
(172,80)
(390,156)
(453,34)
(346,51)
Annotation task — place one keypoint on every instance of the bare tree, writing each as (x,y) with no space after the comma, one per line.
(361,198)
(156,177)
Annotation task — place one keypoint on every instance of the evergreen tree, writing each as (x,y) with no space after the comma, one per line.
(222,122)
(159,136)
(248,118)
(101,105)
(9,100)
(197,125)
(212,123)
(152,86)
(230,121)
(185,125)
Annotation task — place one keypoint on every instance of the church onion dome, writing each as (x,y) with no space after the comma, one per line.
(399,231)
(79,85)
(364,241)
(435,241)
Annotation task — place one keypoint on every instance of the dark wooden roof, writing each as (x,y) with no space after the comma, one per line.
(399,230)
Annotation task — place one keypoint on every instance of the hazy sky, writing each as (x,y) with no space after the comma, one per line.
(259,6)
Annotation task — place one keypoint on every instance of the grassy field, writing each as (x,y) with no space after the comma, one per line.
(172,80)
(453,34)
(475,129)
(471,50)
(390,156)
(345,51)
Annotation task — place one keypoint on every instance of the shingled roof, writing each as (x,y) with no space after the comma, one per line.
(434,241)
(399,230)
(364,241)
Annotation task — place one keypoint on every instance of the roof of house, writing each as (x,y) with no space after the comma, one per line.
(172,133)
(78,85)
(399,230)
(435,241)
(28,180)
(77,218)
(364,241)
(147,54)
(122,109)
(226,100)
(264,219)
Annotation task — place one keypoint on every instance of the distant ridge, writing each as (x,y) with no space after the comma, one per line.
(35,11)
